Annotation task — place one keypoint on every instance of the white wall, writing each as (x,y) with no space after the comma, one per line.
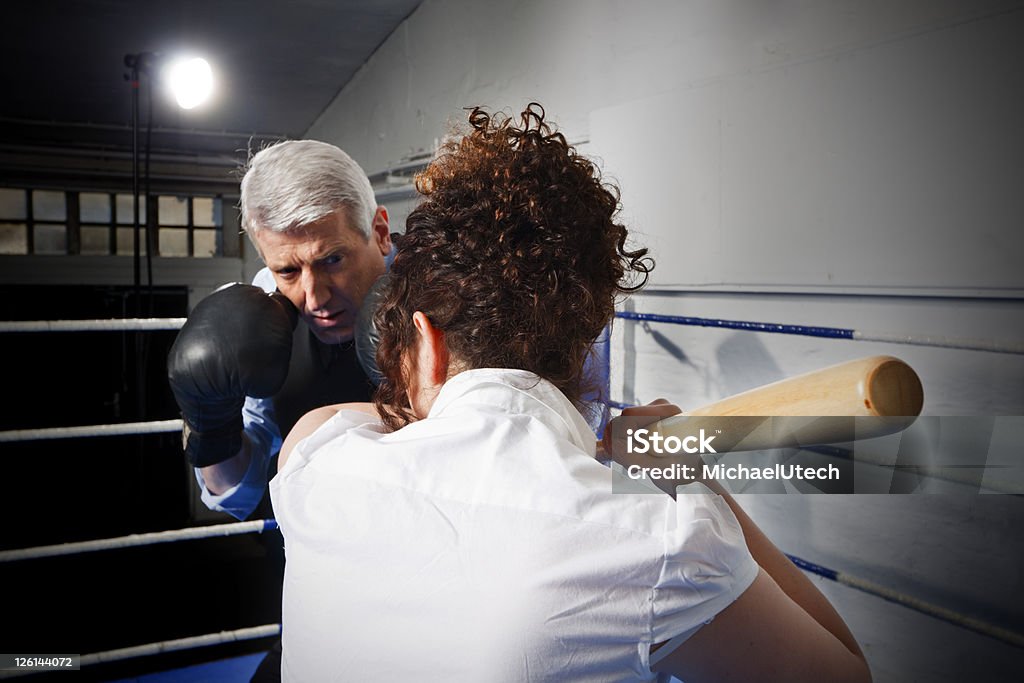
(844,163)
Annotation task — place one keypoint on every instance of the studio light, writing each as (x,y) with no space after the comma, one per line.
(190,80)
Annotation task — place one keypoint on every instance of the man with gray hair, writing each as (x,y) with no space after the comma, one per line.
(252,360)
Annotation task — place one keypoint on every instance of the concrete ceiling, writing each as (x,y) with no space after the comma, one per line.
(65,107)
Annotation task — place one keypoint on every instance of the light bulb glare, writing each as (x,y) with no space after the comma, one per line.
(191,81)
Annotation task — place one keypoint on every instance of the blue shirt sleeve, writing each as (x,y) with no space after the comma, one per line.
(595,370)
(264,437)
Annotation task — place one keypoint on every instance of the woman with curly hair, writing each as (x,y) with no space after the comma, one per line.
(461,528)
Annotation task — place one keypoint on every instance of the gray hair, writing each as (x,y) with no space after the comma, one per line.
(296,182)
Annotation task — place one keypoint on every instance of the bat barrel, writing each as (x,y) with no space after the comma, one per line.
(892,388)
(859,399)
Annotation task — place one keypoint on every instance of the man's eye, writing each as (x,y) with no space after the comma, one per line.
(286,273)
(333,260)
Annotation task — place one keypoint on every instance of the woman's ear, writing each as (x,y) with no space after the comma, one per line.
(431,366)
(431,352)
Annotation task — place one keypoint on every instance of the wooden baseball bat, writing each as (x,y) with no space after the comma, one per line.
(859,399)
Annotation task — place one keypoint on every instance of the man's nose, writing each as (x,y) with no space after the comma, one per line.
(316,290)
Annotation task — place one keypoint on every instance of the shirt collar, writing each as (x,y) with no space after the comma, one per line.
(517,392)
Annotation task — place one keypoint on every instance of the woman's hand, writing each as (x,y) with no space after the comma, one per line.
(656,409)
(616,441)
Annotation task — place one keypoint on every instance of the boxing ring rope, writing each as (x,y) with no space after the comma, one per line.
(941,613)
(134,540)
(991,345)
(940,341)
(96,325)
(190,643)
(193,642)
(956,475)
(116,429)
(110,325)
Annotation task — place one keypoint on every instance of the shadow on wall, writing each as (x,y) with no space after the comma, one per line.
(744,363)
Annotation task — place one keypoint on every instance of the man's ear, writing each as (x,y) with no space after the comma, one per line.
(431,352)
(380,231)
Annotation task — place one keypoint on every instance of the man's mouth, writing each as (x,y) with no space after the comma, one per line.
(327,320)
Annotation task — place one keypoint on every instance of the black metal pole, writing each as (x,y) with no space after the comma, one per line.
(151,242)
(137,64)
(133,62)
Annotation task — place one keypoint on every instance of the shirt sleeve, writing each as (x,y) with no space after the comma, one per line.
(264,279)
(264,438)
(333,428)
(289,488)
(706,567)
(260,428)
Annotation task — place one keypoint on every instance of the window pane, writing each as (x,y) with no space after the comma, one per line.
(173,210)
(50,239)
(12,204)
(95,241)
(94,207)
(48,205)
(125,243)
(173,242)
(206,212)
(13,239)
(125,210)
(204,242)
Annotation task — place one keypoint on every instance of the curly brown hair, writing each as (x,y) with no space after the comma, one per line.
(514,254)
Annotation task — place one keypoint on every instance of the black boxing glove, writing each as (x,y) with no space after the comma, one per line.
(236,343)
(367,336)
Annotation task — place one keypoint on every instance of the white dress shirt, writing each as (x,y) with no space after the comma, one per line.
(484,543)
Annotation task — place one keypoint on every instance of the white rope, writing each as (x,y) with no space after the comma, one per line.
(192,533)
(969,344)
(182,644)
(971,476)
(116,324)
(117,429)
(942,613)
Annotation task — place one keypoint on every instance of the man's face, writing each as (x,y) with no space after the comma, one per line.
(326,268)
